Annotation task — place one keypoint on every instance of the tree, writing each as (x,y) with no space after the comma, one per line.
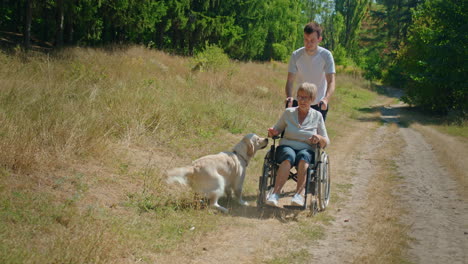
(353,11)
(244,29)
(398,18)
(434,60)
(384,31)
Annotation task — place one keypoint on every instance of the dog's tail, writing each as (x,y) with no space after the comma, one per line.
(179,175)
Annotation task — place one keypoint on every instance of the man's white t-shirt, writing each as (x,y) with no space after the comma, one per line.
(312,69)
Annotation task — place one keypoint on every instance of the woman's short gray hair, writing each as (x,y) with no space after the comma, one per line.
(309,88)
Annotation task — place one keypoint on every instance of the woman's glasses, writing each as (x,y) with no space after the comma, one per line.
(303,98)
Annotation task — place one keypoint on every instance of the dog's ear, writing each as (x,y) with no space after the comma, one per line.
(250,147)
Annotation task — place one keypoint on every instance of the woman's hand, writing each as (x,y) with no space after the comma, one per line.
(318,139)
(272,132)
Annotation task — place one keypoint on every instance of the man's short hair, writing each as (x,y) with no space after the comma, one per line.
(313,27)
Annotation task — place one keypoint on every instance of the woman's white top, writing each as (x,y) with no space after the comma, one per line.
(297,135)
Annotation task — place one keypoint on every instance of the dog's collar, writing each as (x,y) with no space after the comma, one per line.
(242,158)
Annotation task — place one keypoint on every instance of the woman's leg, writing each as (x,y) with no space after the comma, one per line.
(301,176)
(305,158)
(282,176)
(285,156)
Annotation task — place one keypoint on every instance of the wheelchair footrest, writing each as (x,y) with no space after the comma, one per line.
(294,207)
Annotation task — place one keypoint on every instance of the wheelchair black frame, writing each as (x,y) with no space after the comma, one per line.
(270,167)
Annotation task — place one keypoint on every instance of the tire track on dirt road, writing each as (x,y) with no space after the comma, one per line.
(347,239)
(437,213)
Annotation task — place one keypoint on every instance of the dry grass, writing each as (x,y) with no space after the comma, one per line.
(85,135)
(77,102)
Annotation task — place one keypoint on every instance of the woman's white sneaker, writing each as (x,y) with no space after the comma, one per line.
(273,199)
(297,200)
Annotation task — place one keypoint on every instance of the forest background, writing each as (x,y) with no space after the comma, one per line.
(417,45)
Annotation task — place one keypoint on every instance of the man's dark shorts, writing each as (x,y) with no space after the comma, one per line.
(285,152)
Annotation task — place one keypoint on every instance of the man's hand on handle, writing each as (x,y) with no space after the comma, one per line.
(323,104)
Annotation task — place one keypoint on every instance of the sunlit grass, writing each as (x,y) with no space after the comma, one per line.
(86,134)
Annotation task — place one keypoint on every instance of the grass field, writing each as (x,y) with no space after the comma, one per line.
(86,134)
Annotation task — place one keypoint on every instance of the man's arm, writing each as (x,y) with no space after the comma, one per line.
(330,89)
(289,88)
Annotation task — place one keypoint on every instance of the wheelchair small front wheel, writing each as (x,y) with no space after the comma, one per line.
(314,207)
(263,184)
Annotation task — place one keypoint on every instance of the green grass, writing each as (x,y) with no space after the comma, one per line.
(455,130)
(340,193)
(312,232)
(300,256)
(450,124)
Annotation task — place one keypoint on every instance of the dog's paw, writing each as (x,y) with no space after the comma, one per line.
(220,208)
(223,210)
(243,203)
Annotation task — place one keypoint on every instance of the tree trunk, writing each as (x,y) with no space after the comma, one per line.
(348,17)
(27,25)
(60,23)
(69,23)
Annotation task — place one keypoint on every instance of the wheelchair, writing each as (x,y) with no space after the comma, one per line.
(317,180)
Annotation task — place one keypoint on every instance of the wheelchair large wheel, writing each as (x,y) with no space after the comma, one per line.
(264,183)
(323,195)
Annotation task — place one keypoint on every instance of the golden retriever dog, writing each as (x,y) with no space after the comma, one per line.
(215,175)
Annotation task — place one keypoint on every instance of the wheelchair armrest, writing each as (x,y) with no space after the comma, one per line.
(318,154)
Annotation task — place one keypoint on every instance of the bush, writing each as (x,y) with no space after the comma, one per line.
(372,66)
(280,52)
(212,58)
(394,76)
(340,55)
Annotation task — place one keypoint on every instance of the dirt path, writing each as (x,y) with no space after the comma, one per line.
(437,212)
(422,201)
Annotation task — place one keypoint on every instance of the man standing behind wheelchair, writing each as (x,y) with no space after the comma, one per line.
(304,129)
(313,64)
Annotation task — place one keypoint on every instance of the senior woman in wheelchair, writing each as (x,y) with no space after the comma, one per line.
(303,128)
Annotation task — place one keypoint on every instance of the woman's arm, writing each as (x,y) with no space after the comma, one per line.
(279,126)
(322,133)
